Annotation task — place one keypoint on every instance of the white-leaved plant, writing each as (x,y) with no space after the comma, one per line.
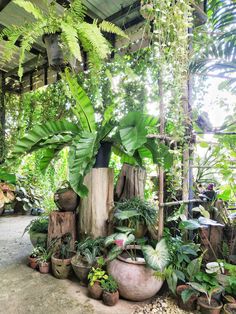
(157,258)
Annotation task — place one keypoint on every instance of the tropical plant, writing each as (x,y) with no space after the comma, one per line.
(217,57)
(89,250)
(39,225)
(97,275)
(36,251)
(128,137)
(208,291)
(109,284)
(62,246)
(135,211)
(44,255)
(75,34)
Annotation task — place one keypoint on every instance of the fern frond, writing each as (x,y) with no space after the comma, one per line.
(109,27)
(30,8)
(70,36)
(77,10)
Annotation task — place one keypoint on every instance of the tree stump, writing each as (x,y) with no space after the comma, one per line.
(131,182)
(61,223)
(95,209)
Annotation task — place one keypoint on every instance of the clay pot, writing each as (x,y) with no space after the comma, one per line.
(110,299)
(33,262)
(230,308)
(135,280)
(81,270)
(213,308)
(61,268)
(191,304)
(54,51)
(44,267)
(38,239)
(95,291)
(66,199)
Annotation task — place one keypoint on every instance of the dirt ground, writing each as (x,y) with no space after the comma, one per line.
(26,291)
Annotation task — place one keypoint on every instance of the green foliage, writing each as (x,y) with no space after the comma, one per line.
(75,33)
(157,258)
(90,249)
(134,211)
(39,224)
(63,250)
(109,284)
(96,275)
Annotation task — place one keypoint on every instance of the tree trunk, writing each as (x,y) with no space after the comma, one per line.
(131,183)
(96,208)
(61,223)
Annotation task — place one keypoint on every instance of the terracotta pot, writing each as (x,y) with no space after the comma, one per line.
(33,262)
(213,308)
(230,308)
(66,200)
(110,298)
(61,268)
(135,280)
(38,238)
(191,304)
(44,267)
(95,291)
(81,270)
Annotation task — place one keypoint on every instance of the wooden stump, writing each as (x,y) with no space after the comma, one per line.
(61,223)
(131,182)
(95,209)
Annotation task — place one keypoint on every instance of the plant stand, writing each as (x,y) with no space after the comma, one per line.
(95,209)
(61,223)
(131,182)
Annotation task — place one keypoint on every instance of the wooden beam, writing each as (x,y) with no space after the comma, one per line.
(124,12)
(3,4)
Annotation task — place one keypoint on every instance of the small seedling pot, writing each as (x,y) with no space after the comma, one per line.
(191,305)
(110,299)
(33,262)
(230,308)
(44,267)
(95,291)
(213,308)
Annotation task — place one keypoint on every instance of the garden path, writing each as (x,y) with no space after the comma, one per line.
(25,291)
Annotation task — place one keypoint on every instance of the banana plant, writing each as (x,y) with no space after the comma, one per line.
(127,136)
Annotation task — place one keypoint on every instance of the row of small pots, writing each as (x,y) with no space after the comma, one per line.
(96,292)
(214,307)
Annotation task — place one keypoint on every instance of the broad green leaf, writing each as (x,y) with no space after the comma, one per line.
(197,287)
(124,157)
(189,225)
(84,108)
(7,177)
(31,141)
(172,280)
(81,160)
(108,114)
(202,211)
(156,258)
(126,214)
(110,239)
(187,294)
(114,252)
(124,229)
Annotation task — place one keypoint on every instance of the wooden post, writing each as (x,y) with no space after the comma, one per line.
(131,183)
(95,209)
(2,119)
(161,170)
(61,223)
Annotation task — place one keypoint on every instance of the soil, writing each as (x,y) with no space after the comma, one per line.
(24,290)
(213,302)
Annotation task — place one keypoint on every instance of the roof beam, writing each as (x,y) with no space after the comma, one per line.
(3,4)
(124,11)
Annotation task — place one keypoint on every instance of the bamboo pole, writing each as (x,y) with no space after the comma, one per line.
(161,170)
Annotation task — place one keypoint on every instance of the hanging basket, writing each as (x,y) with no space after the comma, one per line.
(54,51)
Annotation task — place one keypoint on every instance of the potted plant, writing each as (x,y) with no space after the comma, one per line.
(147,9)
(133,266)
(65,198)
(43,260)
(87,253)
(61,259)
(136,214)
(33,258)
(110,294)
(95,276)
(38,231)
(230,308)
(65,34)
(85,138)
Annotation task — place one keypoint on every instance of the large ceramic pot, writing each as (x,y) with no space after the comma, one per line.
(66,199)
(213,308)
(81,269)
(61,268)
(38,239)
(135,280)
